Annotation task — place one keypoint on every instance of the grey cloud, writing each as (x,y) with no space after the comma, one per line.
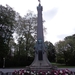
(50,14)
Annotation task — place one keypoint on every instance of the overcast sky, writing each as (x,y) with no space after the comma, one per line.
(58,14)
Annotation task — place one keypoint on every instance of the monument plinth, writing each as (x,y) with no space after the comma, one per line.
(40,61)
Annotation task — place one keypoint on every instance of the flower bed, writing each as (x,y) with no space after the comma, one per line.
(53,72)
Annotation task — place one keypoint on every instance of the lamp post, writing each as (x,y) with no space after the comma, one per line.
(4,62)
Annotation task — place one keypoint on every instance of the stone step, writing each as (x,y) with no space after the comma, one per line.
(43,68)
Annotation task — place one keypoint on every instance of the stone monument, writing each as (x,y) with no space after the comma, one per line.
(40,61)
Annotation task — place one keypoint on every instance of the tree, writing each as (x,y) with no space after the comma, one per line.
(59,46)
(7,19)
(66,50)
(51,53)
(26,28)
(70,49)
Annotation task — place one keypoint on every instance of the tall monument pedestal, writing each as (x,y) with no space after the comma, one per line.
(40,61)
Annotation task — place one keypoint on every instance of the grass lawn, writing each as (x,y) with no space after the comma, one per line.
(54,64)
(62,65)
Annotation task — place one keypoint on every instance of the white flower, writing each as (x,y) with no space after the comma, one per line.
(27,71)
(32,73)
(24,71)
(48,72)
(55,73)
(66,73)
(41,72)
(19,72)
(61,71)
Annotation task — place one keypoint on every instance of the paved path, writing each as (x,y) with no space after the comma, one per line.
(12,70)
(9,70)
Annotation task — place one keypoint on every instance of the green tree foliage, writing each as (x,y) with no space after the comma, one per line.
(59,46)
(66,50)
(7,22)
(7,19)
(51,53)
(26,30)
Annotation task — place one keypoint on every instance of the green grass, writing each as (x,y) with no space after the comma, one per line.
(62,65)
(54,64)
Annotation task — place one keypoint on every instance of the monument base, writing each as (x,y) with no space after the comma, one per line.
(44,64)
